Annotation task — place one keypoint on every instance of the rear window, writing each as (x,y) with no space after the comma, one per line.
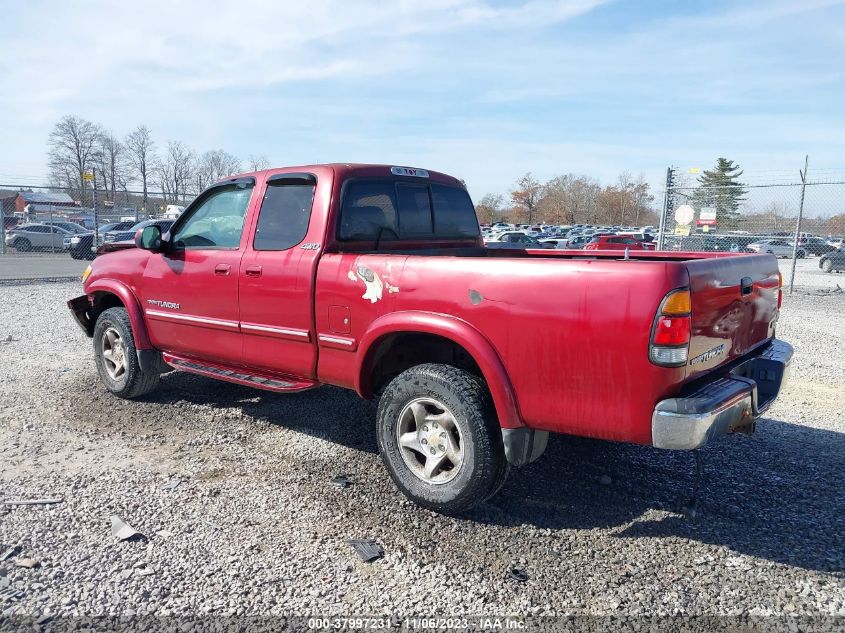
(382,209)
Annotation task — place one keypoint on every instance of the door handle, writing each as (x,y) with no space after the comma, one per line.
(221,269)
(253,271)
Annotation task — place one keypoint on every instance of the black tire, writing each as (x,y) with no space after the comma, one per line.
(132,382)
(801,254)
(75,255)
(22,245)
(827,266)
(483,469)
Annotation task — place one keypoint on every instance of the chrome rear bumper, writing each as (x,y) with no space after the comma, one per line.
(729,403)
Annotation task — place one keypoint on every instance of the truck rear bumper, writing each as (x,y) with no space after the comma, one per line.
(730,402)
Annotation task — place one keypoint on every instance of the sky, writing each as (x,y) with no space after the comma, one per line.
(485,90)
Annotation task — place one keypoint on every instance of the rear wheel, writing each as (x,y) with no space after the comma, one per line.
(439,438)
(23,245)
(117,358)
(802,254)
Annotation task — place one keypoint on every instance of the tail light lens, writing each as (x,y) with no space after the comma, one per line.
(670,335)
(780,289)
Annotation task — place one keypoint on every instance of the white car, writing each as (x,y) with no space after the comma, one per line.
(778,248)
(29,237)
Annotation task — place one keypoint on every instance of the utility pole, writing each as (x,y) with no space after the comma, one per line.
(803,175)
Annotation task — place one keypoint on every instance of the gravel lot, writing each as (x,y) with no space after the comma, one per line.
(255,526)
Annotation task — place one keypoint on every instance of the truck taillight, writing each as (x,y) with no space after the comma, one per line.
(670,334)
(780,289)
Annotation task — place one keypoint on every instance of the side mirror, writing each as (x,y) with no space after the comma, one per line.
(149,238)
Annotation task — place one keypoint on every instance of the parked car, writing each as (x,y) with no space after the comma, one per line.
(578,241)
(70,227)
(617,243)
(778,248)
(123,234)
(375,278)
(81,246)
(816,246)
(833,261)
(515,239)
(28,237)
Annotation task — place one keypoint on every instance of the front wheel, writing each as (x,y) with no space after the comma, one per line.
(439,438)
(827,266)
(23,245)
(117,358)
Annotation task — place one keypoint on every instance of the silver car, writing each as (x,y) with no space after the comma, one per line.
(778,248)
(29,237)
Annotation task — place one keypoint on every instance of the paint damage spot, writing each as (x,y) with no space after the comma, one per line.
(475,297)
(372,282)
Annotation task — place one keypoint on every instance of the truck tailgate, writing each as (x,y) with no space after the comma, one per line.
(734,308)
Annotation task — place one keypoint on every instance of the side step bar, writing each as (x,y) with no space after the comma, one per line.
(240,375)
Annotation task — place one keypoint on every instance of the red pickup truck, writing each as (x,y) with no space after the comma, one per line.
(375,278)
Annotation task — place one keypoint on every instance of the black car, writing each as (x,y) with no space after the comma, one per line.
(80,246)
(834,260)
(123,235)
(816,246)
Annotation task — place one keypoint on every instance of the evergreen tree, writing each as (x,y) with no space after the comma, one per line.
(720,188)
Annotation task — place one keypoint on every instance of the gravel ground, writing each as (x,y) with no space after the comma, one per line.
(255,526)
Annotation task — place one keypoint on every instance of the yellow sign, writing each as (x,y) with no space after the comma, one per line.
(694,170)
(87,176)
(681,230)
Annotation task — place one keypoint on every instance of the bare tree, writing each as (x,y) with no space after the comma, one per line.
(527,195)
(140,154)
(112,159)
(259,162)
(570,198)
(175,171)
(73,151)
(489,208)
(213,166)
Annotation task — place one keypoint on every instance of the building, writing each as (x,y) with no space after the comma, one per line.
(39,202)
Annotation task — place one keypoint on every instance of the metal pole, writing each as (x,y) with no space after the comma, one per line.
(798,224)
(661,229)
(2,227)
(52,231)
(94,203)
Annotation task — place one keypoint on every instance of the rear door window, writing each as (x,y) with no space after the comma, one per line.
(283,219)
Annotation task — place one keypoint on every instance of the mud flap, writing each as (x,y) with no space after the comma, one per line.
(523,446)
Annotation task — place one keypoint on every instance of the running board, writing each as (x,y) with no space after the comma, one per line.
(240,375)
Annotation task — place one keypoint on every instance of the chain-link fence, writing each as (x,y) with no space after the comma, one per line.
(46,219)
(802,223)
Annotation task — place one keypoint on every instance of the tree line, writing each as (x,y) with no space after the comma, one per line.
(78,147)
(572,199)
(578,199)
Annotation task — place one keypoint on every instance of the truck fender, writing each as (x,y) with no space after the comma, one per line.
(456,330)
(130,302)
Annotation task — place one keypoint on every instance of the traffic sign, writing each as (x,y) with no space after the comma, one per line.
(684,214)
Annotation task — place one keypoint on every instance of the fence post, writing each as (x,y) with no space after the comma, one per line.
(798,224)
(94,204)
(661,238)
(52,232)
(2,227)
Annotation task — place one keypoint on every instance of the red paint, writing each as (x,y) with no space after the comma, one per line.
(561,337)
